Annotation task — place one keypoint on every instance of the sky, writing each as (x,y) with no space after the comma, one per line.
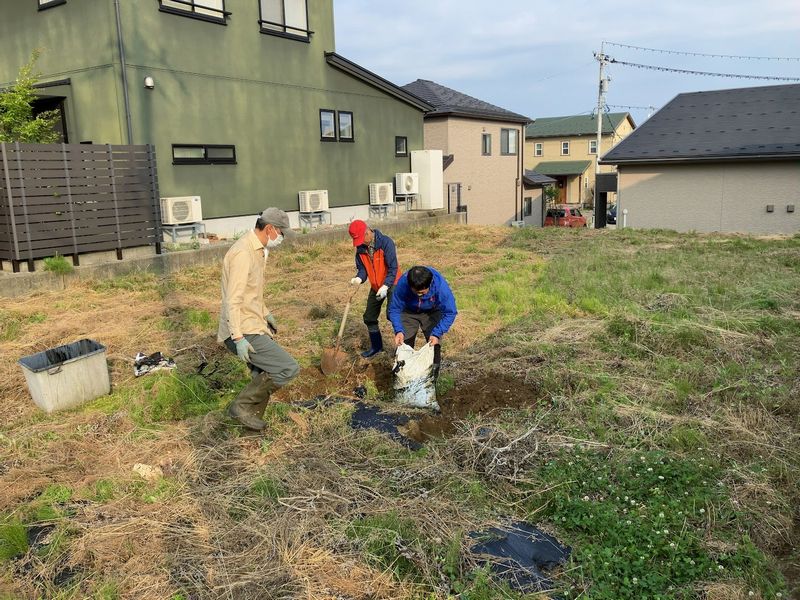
(535,57)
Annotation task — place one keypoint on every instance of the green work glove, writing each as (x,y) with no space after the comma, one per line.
(244,348)
(272,323)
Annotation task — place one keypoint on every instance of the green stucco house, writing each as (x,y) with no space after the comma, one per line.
(245,101)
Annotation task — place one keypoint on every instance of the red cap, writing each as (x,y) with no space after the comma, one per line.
(357,230)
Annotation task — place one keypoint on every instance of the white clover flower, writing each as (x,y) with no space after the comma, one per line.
(661,477)
(720,568)
(702,511)
(628,522)
(586,498)
(672,544)
(649,469)
(666,531)
(660,515)
(751,593)
(626,498)
(635,580)
(691,562)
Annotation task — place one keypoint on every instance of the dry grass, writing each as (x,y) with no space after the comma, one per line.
(240,516)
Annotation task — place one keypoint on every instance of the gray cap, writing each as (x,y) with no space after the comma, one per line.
(278,218)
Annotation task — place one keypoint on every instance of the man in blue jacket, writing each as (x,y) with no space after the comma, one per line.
(376,261)
(422,300)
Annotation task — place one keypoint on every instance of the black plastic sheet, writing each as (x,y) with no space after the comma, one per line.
(518,554)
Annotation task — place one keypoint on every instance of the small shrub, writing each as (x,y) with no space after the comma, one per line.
(57,264)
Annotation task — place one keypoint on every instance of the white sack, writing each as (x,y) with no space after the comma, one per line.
(413,381)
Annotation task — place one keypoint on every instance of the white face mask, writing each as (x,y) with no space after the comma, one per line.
(276,242)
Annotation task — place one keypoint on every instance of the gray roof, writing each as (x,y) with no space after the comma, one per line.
(536,178)
(348,66)
(575,125)
(448,102)
(743,123)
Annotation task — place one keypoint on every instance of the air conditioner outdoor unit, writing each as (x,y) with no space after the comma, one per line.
(313,200)
(178,210)
(380,193)
(406,184)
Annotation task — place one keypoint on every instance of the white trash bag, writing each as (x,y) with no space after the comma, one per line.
(414,384)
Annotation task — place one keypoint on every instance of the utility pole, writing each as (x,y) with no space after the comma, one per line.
(601,103)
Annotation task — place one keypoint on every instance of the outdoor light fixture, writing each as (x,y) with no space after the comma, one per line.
(149,82)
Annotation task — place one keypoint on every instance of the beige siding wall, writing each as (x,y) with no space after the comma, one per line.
(721,197)
(489,184)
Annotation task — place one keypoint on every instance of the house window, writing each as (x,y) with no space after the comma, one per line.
(486,144)
(50,3)
(206,10)
(527,207)
(400,145)
(592,146)
(287,18)
(508,141)
(203,154)
(564,148)
(537,149)
(345,126)
(327,125)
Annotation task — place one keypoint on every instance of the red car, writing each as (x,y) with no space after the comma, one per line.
(564,215)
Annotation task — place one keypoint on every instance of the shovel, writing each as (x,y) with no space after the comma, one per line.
(334,358)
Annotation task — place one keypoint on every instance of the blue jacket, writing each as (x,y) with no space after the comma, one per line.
(439,297)
(384,269)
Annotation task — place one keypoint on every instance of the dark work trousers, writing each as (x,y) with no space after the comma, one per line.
(373,310)
(413,322)
(268,357)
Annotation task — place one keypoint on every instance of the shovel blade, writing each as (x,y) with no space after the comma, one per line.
(332,360)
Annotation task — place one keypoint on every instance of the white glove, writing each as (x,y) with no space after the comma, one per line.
(356,281)
(381,293)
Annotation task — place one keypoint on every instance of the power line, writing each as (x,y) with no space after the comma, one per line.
(687,53)
(629,107)
(703,73)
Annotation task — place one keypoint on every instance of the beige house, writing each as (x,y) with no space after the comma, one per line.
(482,145)
(565,148)
(725,160)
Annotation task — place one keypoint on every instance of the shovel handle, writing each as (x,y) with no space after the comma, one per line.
(344,320)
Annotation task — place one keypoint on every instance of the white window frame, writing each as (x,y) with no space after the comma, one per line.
(538,149)
(204,10)
(565,144)
(505,142)
(486,144)
(592,142)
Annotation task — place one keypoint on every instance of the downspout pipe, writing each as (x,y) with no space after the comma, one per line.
(124,70)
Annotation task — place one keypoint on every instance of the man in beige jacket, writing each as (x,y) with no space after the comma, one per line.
(246,326)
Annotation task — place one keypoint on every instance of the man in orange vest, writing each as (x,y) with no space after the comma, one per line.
(376,260)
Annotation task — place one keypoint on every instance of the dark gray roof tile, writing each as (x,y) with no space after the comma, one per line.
(448,101)
(739,123)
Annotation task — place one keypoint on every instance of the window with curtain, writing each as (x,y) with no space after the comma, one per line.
(346,126)
(508,141)
(285,17)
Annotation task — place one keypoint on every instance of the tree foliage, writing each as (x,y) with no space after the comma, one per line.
(17,122)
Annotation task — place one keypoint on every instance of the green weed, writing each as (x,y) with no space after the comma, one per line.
(381,538)
(172,396)
(58,264)
(640,525)
(13,540)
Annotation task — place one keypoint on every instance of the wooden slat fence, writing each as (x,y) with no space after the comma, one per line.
(70,199)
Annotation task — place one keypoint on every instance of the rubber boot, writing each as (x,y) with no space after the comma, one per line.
(252,400)
(376,343)
(437,361)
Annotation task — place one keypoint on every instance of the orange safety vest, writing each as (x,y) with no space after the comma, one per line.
(376,269)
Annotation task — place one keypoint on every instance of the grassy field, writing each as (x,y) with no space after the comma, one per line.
(652,423)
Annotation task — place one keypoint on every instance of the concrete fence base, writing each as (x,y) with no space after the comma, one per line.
(21,284)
